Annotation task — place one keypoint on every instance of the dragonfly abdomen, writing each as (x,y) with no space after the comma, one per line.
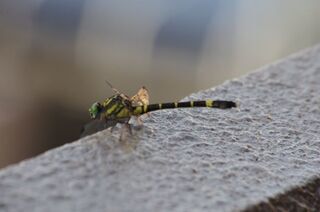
(208,103)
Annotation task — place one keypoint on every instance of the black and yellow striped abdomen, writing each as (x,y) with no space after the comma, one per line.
(208,103)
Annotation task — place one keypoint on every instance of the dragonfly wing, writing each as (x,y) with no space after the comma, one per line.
(141,98)
(95,126)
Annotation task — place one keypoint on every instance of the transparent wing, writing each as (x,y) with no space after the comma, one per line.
(98,125)
(117,91)
(141,98)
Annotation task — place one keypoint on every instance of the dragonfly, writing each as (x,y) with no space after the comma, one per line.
(119,108)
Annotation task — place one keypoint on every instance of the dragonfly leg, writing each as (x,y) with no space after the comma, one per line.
(124,131)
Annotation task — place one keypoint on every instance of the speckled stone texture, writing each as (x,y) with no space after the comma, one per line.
(199,159)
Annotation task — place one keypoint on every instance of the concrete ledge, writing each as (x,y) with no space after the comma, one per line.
(300,198)
(188,159)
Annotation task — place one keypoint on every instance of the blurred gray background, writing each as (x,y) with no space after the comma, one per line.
(56,54)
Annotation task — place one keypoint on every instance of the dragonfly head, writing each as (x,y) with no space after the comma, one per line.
(95,110)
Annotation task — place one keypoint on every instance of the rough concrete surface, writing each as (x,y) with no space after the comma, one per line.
(198,159)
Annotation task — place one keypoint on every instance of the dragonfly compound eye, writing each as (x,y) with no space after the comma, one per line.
(94,110)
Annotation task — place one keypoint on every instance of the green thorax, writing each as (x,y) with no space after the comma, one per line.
(116,107)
